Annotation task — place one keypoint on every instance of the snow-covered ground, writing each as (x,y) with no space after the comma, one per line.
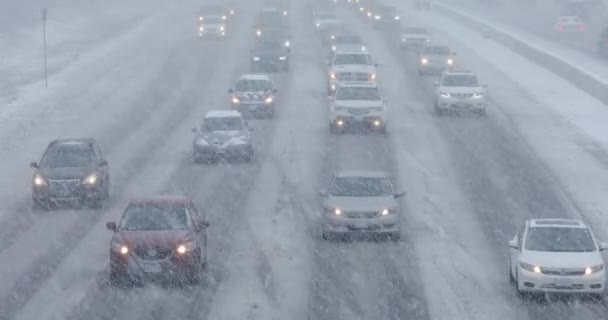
(470,182)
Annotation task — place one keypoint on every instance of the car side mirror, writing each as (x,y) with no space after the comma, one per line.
(230,90)
(34,165)
(194,130)
(603,246)
(323,193)
(513,243)
(399,195)
(111,226)
(103,163)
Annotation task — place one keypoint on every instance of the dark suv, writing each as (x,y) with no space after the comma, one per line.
(71,171)
(160,238)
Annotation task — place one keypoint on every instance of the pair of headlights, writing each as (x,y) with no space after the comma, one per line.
(538,269)
(180,249)
(477,95)
(40,181)
(236,100)
(383,212)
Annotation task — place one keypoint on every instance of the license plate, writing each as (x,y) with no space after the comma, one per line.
(152,267)
(253,108)
(62,190)
(563,282)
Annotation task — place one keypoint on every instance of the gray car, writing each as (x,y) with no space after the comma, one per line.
(223,134)
(435,59)
(361,203)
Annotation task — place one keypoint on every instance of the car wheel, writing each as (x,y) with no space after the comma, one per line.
(196,273)
(270,112)
(511,278)
(439,111)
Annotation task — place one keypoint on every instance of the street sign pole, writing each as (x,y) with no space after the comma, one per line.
(44,13)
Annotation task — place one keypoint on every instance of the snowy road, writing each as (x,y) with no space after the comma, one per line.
(470,183)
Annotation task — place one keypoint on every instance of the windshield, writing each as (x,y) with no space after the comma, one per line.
(460,80)
(361,187)
(270,19)
(358,93)
(436,50)
(415,30)
(347,39)
(268,44)
(345,59)
(222,124)
(559,240)
(325,16)
(253,85)
(154,217)
(65,156)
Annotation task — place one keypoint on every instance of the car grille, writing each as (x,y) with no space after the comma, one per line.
(64,187)
(461,95)
(152,252)
(361,214)
(353,76)
(358,112)
(563,272)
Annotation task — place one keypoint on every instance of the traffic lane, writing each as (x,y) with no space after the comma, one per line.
(157,131)
(505,181)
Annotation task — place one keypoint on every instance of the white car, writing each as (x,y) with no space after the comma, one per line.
(460,91)
(360,202)
(345,42)
(324,20)
(414,37)
(357,105)
(557,255)
(569,24)
(222,134)
(350,66)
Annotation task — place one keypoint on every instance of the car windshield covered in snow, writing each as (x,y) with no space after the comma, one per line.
(213,20)
(460,80)
(222,124)
(247,85)
(68,155)
(415,30)
(347,39)
(559,239)
(436,50)
(358,93)
(360,187)
(345,59)
(269,44)
(154,217)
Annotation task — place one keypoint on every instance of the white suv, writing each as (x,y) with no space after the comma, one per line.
(357,105)
(350,66)
(460,90)
(557,255)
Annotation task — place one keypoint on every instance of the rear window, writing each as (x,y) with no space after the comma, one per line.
(154,217)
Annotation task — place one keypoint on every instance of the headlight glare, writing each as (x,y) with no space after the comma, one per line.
(385,212)
(450,61)
(478,95)
(91,179)
(332,75)
(119,248)
(235,100)
(372,76)
(529,267)
(186,247)
(337,211)
(256,58)
(282,58)
(424,60)
(39,180)
(445,94)
(594,269)
(268,100)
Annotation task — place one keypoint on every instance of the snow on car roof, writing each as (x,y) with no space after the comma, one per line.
(222,114)
(255,77)
(361,173)
(557,223)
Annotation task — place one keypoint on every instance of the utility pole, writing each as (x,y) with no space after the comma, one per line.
(44,14)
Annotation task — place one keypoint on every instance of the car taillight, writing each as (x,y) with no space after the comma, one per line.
(560,28)
(581,27)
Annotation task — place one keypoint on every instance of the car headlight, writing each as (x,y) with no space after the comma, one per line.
(223,17)
(333,48)
(372,76)
(397,18)
(258,32)
(377,17)
(256,58)
(39,180)
(90,180)
(403,39)
(269,100)
(201,29)
(369,14)
(287,43)
(318,25)
(337,211)
(200,18)
(529,267)
(231,12)
(594,269)
(363,48)
(333,37)
(186,247)
(428,40)
(478,95)
(361,9)
(119,248)
(235,100)
(282,58)
(386,212)
(450,61)
(221,28)
(445,94)
(284,13)
(424,60)
(332,76)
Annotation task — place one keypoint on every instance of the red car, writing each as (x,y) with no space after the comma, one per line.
(160,238)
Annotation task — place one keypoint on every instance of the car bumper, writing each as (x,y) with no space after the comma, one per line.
(466,104)
(82,193)
(434,66)
(270,64)
(367,121)
(253,107)
(139,269)
(537,282)
(212,34)
(213,152)
(387,224)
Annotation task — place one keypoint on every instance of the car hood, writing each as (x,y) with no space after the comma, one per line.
(252,95)
(465,90)
(362,203)
(170,238)
(224,138)
(358,103)
(561,259)
(354,67)
(65,173)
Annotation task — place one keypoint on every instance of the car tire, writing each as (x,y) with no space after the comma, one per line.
(96,202)
(195,275)
(511,278)
(270,112)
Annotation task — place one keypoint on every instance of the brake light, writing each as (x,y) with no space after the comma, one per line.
(581,27)
(560,28)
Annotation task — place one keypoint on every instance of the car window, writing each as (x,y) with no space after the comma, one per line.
(415,30)
(436,50)
(361,187)
(343,59)
(244,85)
(269,44)
(347,39)
(559,239)
(358,93)
(459,80)
(213,19)
(154,217)
(222,124)
(68,155)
